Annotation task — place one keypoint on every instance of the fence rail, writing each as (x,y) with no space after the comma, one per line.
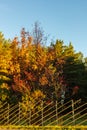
(47,114)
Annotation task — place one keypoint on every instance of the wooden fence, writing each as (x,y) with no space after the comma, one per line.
(47,115)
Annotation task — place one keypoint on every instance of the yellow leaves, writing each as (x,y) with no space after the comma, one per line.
(38,94)
(34,67)
(51,67)
(29,42)
(15,68)
(4,86)
(3,96)
(2,77)
(5,57)
(29,100)
(58,48)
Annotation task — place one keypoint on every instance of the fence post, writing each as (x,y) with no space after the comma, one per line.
(42,111)
(19,113)
(73,114)
(8,115)
(29,116)
(56,113)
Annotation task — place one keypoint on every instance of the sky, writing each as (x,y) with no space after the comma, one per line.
(60,19)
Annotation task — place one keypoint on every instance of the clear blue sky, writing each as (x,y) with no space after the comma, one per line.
(61,19)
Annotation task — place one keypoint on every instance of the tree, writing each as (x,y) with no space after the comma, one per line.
(31,72)
(38,34)
(5,57)
(74,73)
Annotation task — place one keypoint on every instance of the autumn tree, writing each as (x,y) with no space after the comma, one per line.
(5,57)
(31,71)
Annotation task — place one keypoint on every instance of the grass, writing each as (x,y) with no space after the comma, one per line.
(43,128)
